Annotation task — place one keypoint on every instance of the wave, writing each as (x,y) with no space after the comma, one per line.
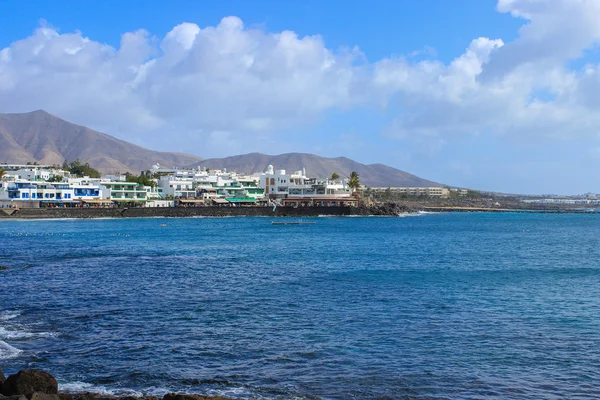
(79,387)
(7,351)
(14,334)
(7,315)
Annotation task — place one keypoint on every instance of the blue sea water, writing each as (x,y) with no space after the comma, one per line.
(435,306)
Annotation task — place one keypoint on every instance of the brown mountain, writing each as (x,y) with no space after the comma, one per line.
(373,175)
(42,137)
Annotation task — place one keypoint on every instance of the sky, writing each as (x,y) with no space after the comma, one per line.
(499,95)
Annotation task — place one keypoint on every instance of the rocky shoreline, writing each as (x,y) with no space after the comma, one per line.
(35,384)
(390,209)
(386,209)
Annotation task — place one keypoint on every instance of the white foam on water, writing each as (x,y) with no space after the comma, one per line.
(416,214)
(7,315)
(7,351)
(15,334)
(78,387)
(230,392)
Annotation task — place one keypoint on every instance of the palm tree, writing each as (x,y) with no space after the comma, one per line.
(354,182)
(335,176)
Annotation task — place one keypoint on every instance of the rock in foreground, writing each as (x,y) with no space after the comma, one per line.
(27,382)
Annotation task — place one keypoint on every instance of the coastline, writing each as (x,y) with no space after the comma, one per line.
(388,209)
(385,209)
(34,384)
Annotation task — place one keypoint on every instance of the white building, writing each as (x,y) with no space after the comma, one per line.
(195,184)
(298,189)
(434,191)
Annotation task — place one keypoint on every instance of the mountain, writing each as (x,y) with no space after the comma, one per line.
(47,139)
(44,138)
(373,175)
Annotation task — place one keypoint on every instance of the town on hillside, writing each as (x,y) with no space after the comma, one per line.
(76,184)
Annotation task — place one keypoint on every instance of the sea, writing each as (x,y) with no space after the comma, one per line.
(426,306)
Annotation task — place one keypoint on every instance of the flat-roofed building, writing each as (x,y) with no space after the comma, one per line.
(434,191)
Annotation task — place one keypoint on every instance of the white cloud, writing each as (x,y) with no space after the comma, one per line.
(225,84)
(522,88)
(225,78)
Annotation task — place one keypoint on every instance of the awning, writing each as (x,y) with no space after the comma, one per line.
(130,200)
(191,201)
(220,201)
(97,201)
(241,200)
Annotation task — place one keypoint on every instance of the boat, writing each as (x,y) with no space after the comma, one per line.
(297,222)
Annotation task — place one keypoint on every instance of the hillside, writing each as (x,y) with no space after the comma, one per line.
(44,138)
(47,139)
(374,175)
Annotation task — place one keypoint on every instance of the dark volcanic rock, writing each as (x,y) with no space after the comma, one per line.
(65,396)
(177,396)
(16,397)
(383,209)
(2,377)
(29,381)
(42,396)
(84,396)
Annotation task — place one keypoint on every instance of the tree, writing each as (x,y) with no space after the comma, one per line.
(335,176)
(80,169)
(56,178)
(142,180)
(2,172)
(354,181)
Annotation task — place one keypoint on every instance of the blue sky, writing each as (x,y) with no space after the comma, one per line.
(494,95)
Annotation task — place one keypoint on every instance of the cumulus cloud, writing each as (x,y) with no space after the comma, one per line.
(227,83)
(522,88)
(225,78)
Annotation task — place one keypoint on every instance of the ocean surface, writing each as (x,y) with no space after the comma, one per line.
(431,306)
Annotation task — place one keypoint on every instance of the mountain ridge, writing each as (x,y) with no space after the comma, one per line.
(39,136)
(375,175)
